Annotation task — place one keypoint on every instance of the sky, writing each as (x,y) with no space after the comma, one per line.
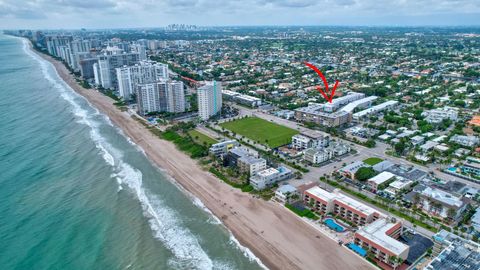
(75,14)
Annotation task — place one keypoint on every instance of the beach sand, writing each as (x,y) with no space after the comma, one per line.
(274,234)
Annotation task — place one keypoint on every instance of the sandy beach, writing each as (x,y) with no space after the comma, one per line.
(274,234)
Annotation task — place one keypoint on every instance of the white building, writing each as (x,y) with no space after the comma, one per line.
(310,140)
(284,193)
(379,179)
(468,141)
(269,176)
(380,238)
(209,99)
(251,165)
(152,97)
(387,105)
(436,116)
(144,72)
(316,156)
(161,96)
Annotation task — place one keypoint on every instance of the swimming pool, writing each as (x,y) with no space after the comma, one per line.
(362,252)
(333,225)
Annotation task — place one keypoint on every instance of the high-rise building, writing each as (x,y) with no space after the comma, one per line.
(209,100)
(108,63)
(152,97)
(144,72)
(160,96)
(176,97)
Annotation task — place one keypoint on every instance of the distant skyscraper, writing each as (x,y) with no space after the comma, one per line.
(144,72)
(209,99)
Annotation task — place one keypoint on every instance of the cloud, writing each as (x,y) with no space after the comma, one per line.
(128,13)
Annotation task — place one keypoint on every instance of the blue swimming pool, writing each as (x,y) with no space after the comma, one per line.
(359,250)
(452,169)
(333,225)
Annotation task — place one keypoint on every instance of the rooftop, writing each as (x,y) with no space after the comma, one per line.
(377,233)
(381,178)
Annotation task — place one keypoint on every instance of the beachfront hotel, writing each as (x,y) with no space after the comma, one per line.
(209,99)
(380,239)
(337,204)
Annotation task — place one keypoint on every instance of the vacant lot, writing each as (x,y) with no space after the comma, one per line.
(372,161)
(201,138)
(261,131)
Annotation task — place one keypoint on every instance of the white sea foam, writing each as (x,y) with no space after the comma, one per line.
(246,251)
(163,220)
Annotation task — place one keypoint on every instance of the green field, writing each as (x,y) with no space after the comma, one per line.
(261,131)
(372,161)
(200,138)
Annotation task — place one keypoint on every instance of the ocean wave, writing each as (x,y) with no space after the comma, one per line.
(163,221)
(246,251)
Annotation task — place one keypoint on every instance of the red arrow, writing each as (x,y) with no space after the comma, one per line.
(325,83)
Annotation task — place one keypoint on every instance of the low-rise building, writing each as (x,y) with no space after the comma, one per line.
(379,179)
(315,114)
(436,116)
(269,177)
(468,141)
(241,98)
(439,202)
(380,239)
(453,252)
(251,165)
(387,105)
(311,139)
(286,193)
(220,149)
(350,170)
(400,184)
(317,156)
(337,204)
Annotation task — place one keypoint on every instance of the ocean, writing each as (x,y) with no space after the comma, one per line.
(76,193)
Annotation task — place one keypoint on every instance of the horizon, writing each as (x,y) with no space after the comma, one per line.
(110,14)
(247,26)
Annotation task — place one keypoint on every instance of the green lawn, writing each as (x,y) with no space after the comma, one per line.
(261,131)
(201,137)
(372,161)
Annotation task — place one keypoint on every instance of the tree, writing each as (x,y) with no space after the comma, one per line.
(364,173)
(400,147)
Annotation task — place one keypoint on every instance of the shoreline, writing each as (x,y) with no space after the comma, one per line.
(279,238)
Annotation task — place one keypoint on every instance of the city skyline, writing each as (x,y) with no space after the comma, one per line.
(145,14)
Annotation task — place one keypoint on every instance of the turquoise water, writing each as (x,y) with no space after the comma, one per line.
(333,225)
(76,194)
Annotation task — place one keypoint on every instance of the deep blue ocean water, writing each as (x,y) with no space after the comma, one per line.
(75,193)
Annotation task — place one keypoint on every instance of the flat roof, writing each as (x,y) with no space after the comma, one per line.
(354,104)
(377,233)
(442,196)
(336,195)
(381,178)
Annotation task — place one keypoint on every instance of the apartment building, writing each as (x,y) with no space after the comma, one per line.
(317,156)
(436,116)
(269,177)
(380,239)
(143,72)
(251,165)
(221,149)
(337,204)
(161,96)
(209,100)
(312,139)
